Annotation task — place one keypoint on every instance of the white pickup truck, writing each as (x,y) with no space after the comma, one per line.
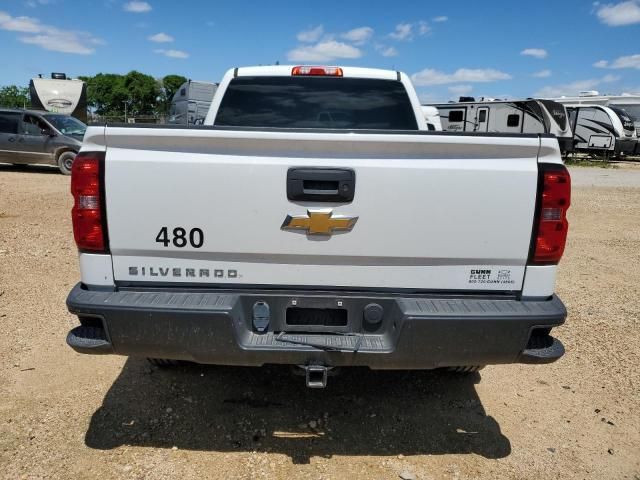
(315,221)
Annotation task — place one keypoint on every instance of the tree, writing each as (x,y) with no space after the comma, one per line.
(169,86)
(106,93)
(13,96)
(143,93)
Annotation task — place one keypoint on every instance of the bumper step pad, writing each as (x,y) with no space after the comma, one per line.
(550,352)
(85,339)
(363,343)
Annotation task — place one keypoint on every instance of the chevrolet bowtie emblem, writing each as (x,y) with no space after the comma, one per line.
(319,222)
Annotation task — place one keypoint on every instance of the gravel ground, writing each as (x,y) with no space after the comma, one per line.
(63,415)
(626,175)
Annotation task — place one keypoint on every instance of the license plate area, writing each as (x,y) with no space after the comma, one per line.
(302,312)
(316,317)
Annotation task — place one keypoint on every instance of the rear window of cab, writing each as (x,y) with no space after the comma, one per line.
(316,102)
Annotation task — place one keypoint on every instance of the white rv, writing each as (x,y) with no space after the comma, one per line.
(59,94)
(601,129)
(191,102)
(432,117)
(630,103)
(516,116)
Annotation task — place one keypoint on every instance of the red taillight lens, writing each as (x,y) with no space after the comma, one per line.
(88,213)
(316,71)
(551,222)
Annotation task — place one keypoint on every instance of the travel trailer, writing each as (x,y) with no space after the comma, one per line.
(602,129)
(432,117)
(191,102)
(628,102)
(59,94)
(516,116)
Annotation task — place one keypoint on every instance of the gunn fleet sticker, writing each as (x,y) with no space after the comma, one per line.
(487,276)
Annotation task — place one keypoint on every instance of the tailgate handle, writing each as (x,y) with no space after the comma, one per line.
(321,184)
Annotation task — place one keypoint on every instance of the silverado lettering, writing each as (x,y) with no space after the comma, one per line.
(182,272)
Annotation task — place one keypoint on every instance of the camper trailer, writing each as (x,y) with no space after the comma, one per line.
(432,117)
(601,129)
(517,116)
(59,94)
(191,102)
(628,102)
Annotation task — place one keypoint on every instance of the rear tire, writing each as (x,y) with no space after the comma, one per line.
(465,369)
(65,162)
(163,362)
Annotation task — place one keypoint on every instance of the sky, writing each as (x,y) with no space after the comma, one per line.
(499,49)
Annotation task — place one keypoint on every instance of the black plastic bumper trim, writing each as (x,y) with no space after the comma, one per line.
(547,354)
(91,340)
(214,327)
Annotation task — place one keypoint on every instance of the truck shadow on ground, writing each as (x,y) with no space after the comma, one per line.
(232,409)
(8,167)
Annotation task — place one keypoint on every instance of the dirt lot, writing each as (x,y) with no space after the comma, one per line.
(63,415)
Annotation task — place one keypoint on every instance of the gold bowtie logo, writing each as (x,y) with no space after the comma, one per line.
(319,222)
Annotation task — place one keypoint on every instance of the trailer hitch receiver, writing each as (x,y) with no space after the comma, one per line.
(316,375)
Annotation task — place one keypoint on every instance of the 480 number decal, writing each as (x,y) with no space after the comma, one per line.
(181,237)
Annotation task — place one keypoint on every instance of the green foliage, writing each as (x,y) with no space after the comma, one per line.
(169,86)
(13,96)
(143,93)
(587,161)
(107,93)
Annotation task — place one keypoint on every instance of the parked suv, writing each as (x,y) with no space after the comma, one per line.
(40,137)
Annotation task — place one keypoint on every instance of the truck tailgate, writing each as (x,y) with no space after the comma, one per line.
(443,212)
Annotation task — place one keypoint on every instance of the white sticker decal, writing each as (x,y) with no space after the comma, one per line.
(490,276)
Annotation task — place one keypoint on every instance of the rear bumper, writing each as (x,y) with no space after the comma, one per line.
(217,327)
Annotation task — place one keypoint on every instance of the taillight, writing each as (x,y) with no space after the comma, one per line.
(88,213)
(554,198)
(316,71)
